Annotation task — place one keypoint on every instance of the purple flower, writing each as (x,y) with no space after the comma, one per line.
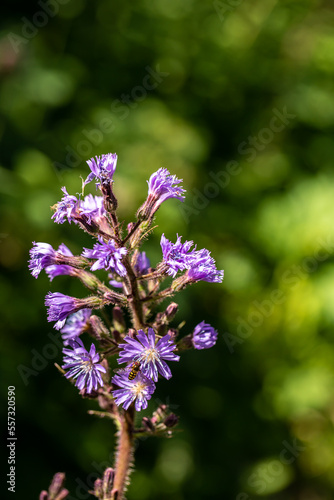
(75,324)
(61,269)
(140,390)
(142,264)
(198,263)
(204,273)
(102,168)
(204,336)
(60,306)
(107,256)
(66,208)
(177,256)
(42,255)
(92,207)
(203,268)
(149,354)
(83,365)
(162,186)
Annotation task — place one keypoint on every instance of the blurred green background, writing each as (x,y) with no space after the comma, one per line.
(236,98)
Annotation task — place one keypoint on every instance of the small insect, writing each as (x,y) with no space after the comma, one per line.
(134,370)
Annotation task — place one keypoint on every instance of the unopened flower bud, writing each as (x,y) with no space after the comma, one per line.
(147,422)
(110,202)
(171,420)
(98,493)
(171,311)
(132,333)
(57,483)
(103,487)
(108,480)
(56,490)
(204,336)
(159,414)
(173,333)
(98,328)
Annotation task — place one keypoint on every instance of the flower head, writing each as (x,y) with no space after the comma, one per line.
(107,256)
(149,354)
(203,268)
(66,208)
(60,306)
(75,324)
(139,390)
(102,168)
(83,365)
(162,186)
(42,255)
(204,336)
(177,256)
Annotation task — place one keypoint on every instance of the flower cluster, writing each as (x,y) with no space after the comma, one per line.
(199,264)
(151,356)
(43,256)
(107,256)
(132,289)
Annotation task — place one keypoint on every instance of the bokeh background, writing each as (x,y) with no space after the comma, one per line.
(236,98)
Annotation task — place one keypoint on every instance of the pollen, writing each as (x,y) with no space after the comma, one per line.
(139,388)
(151,354)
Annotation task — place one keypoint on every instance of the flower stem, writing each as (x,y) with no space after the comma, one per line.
(168,292)
(134,300)
(124,454)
